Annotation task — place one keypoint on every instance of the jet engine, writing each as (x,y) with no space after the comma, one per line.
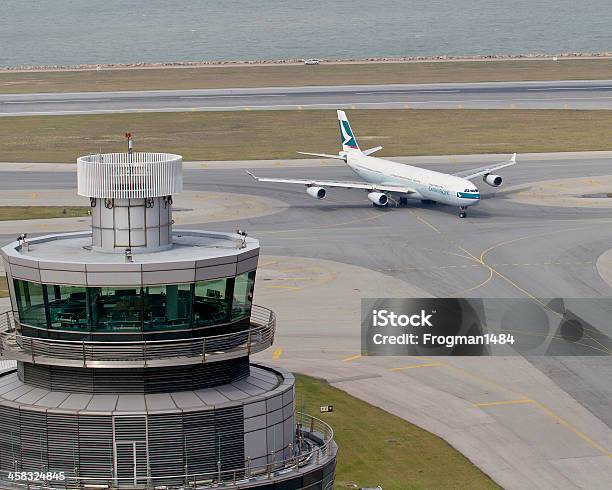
(493,180)
(317,192)
(378,198)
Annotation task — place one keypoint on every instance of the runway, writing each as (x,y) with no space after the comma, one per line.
(593,94)
(325,255)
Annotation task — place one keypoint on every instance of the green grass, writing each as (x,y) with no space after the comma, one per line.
(8,213)
(279,134)
(377,448)
(4,293)
(299,75)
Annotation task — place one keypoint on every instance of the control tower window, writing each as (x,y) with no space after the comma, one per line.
(212,302)
(116,309)
(167,307)
(68,307)
(243,295)
(31,303)
(129,309)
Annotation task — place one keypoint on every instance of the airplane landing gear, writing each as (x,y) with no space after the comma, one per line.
(462,211)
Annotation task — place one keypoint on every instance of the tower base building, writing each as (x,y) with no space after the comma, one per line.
(133,344)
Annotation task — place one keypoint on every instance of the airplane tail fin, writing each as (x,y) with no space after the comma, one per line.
(349,142)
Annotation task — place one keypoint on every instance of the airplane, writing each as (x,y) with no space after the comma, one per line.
(386,181)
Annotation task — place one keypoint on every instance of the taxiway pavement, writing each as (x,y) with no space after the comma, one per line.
(529,422)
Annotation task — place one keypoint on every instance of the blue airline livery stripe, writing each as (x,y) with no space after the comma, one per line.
(468,195)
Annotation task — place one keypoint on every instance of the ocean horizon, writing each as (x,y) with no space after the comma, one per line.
(68,32)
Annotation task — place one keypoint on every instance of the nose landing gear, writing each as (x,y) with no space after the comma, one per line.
(462,211)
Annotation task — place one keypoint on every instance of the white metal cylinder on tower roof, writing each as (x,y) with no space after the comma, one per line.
(124,176)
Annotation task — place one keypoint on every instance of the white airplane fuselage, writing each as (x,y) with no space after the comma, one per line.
(386,181)
(427,184)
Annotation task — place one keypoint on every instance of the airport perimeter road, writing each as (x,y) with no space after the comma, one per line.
(595,94)
(541,422)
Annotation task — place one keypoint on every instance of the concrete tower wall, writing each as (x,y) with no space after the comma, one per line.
(247,424)
(138,224)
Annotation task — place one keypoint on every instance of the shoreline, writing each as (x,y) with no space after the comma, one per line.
(288,62)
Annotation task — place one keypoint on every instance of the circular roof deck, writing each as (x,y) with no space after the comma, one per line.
(75,248)
(263,383)
(68,259)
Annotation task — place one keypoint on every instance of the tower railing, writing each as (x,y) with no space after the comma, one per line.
(141,353)
(129,175)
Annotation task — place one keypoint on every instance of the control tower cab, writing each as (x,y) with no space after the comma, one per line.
(133,343)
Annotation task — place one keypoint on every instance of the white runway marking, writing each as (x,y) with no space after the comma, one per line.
(409,93)
(566,88)
(230,96)
(58,101)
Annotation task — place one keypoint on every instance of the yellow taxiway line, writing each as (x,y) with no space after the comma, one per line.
(507,402)
(414,366)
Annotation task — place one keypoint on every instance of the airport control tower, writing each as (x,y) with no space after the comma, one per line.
(133,344)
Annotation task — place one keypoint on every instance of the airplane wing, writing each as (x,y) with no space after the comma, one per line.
(344,185)
(477,172)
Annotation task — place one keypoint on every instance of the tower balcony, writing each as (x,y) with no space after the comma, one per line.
(259,335)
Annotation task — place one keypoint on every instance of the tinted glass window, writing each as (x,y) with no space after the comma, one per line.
(68,307)
(31,303)
(243,295)
(167,307)
(212,302)
(133,309)
(116,309)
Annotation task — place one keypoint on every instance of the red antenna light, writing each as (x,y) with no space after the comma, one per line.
(130,144)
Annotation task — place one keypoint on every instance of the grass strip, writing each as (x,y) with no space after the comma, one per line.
(8,213)
(377,448)
(246,135)
(4,292)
